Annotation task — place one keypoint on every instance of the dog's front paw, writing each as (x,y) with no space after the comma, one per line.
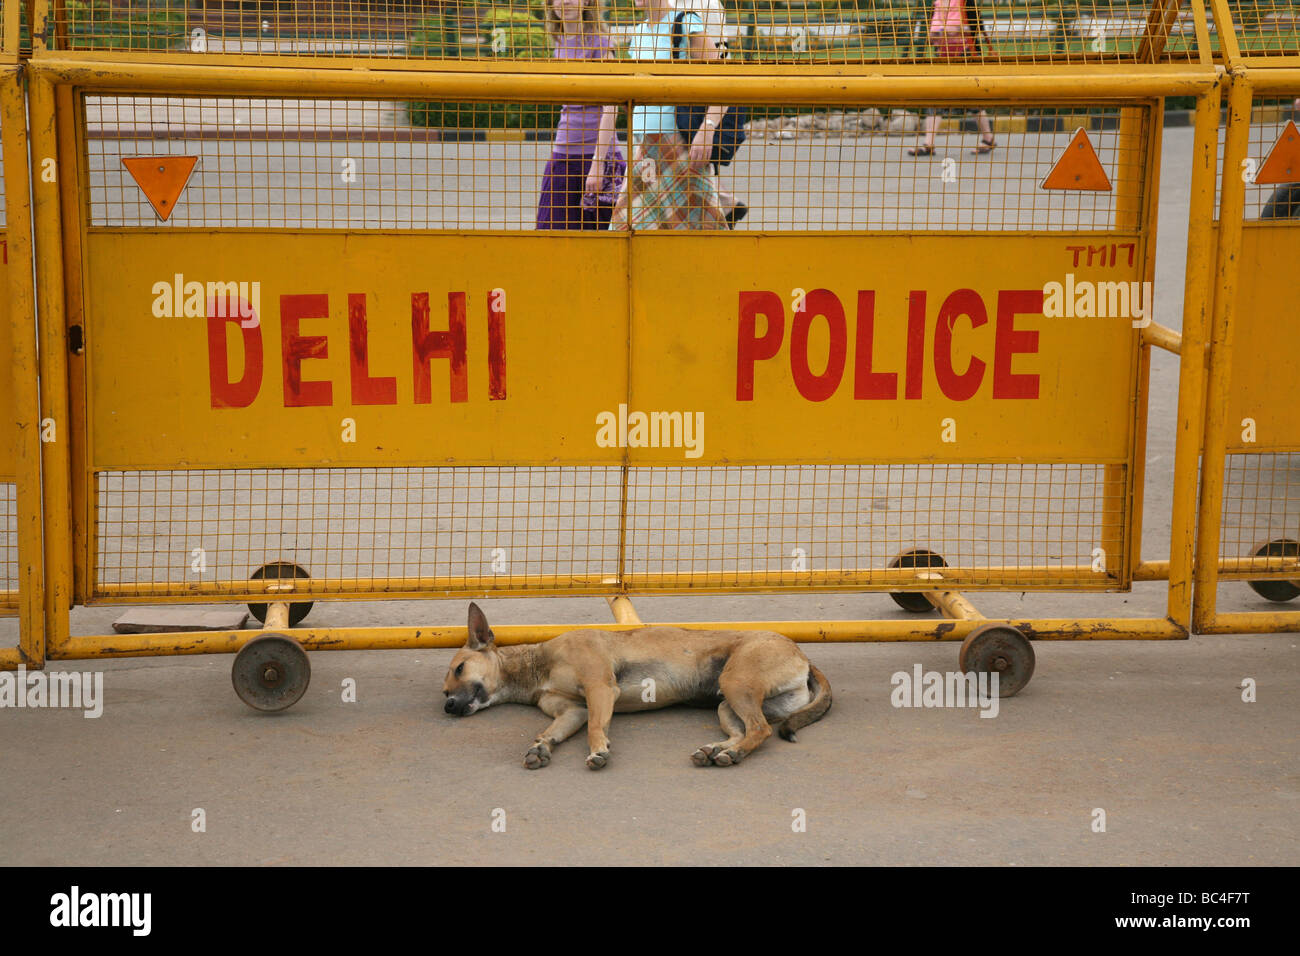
(537,757)
(704,756)
(597,759)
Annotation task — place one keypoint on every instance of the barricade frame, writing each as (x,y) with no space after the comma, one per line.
(1250,78)
(57,79)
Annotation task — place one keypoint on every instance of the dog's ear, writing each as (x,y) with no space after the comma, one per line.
(480,635)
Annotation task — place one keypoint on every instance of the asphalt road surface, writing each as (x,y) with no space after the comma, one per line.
(1157,735)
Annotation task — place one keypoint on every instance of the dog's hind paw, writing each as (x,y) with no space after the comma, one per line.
(597,760)
(537,757)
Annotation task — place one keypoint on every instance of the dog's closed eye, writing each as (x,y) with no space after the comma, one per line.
(459,668)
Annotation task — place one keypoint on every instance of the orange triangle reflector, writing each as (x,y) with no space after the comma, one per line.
(162,179)
(1078,167)
(1283,163)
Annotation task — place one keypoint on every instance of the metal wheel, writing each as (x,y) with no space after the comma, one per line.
(271,672)
(996,648)
(1279,591)
(281,571)
(915,601)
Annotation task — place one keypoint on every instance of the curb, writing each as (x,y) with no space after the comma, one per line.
(1068,122)
(1062,123)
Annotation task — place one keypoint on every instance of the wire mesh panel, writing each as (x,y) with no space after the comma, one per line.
(805,32)
(1272,152)
(1266,28)
(438,347)
(1014,525)
(1267,200)
(337,164)
(558,529)
(359,529)
(8,545)
(1261,504)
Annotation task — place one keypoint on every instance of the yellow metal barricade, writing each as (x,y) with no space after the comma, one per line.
(20,425)
(309,351)
(1249,522)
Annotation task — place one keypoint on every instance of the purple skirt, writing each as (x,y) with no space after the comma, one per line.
(562,204)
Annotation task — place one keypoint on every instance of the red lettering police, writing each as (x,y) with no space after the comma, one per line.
(961,311)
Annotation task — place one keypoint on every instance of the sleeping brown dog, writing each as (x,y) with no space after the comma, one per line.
(755,678)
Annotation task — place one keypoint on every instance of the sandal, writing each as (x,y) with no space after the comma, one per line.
(921,151)
(737,213)
(985,146)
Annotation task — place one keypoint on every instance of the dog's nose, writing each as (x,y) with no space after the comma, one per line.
(450,706)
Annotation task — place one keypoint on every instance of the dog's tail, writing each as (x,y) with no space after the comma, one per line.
(814,710)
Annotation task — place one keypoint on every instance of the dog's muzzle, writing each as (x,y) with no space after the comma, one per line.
(462,704)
